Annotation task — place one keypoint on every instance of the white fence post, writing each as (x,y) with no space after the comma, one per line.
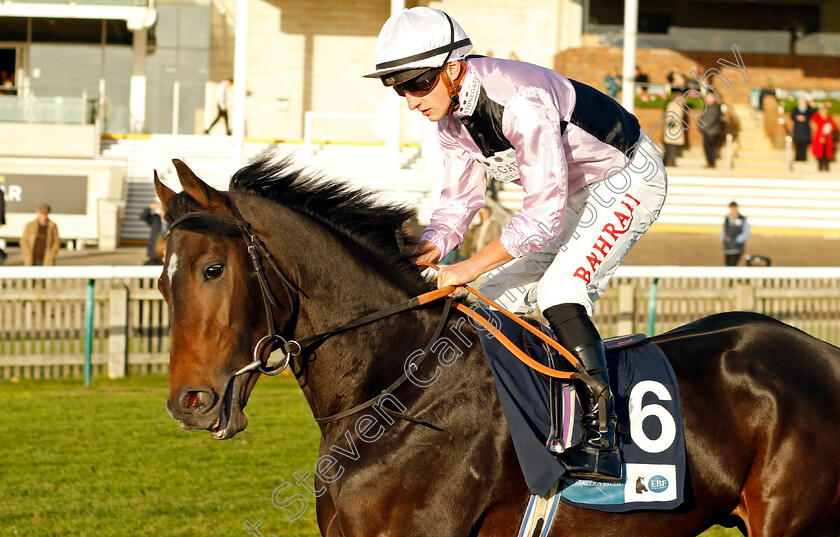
(626,308)
(117,330)
(745,299)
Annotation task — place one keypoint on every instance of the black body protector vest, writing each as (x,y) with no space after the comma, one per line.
(595,112)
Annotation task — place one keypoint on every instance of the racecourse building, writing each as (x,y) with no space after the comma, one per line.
(73,71)
(146,66)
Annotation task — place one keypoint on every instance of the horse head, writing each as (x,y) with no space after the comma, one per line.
(210,286)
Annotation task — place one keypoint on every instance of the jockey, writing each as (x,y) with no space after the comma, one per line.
(592,179)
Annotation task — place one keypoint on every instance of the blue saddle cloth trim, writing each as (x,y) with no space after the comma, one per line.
(524,395)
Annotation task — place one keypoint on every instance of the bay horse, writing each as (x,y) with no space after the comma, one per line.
(759,397)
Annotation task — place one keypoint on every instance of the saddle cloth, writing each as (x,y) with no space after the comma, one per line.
(647,405)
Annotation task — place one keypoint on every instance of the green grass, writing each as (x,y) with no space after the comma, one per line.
(109,461)
(790,103)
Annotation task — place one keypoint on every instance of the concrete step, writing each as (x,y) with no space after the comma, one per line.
(766,164)
(770,196)
(746,154)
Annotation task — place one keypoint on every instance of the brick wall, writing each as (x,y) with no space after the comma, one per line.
(590,65)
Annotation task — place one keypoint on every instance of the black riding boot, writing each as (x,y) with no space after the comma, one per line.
(595,456)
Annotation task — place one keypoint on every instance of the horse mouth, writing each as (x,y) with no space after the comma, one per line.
(232,419)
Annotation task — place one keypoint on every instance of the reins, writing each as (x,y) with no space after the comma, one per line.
(258,252)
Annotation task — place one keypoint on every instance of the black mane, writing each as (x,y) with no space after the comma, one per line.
(353,213)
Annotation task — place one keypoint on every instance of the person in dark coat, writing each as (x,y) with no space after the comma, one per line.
(712,129)
(801,116)
(153,216)
(735,232)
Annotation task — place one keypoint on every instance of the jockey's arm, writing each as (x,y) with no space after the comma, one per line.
(490,257)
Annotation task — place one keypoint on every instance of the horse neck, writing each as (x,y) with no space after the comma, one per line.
(354,366)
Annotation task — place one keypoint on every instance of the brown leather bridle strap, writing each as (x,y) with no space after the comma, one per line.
(258,252)
(414,366)
(410,304)
(453,87)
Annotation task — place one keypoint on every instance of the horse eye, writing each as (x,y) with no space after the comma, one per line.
(213,271)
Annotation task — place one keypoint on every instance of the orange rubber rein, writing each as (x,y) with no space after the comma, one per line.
(509,345)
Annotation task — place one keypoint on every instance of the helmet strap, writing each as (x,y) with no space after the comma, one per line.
(454,86)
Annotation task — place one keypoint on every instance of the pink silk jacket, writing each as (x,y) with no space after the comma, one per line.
(531,126)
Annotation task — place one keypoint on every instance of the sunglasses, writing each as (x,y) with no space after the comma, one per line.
(420,85)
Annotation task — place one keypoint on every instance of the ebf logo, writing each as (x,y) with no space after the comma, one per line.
(657,483)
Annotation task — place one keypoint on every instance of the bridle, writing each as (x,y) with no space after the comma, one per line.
(273,340)
(258,253)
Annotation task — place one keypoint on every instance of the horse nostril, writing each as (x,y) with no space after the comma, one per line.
(196,400)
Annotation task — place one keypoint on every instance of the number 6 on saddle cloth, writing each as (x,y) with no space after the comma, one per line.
(647,404)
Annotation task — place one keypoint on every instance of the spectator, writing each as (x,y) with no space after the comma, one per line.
(642,80)
(3,254)
(824,135)
(801,116)
(221,105)
(712,129)
(40,242)
(769,90)
(153,216)
(7,83)
(677,82)
(735,232)
(612,83)
(674,136)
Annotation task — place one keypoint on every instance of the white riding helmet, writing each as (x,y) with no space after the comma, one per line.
(417,39)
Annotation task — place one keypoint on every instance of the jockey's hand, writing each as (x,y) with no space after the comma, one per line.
(458,274)
(427,252)
(490,257)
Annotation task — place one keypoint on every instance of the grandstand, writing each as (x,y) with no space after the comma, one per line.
(144,76)
(796,202)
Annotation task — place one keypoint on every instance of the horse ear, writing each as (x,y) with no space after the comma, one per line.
(206,196)
(164,193)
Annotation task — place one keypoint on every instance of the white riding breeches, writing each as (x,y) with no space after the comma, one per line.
(603,221)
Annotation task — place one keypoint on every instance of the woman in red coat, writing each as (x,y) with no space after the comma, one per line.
(822,145)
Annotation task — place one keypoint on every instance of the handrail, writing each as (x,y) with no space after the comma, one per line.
(68,272)
(86,272)
(661,272)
